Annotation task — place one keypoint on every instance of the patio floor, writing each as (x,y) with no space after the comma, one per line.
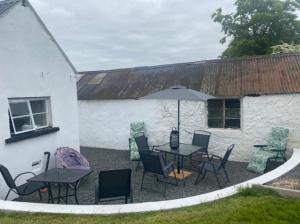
(107,159)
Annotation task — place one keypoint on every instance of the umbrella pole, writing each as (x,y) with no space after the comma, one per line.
(178,126)
(178,121)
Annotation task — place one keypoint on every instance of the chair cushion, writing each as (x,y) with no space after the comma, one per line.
(259,159)
(136,129)
(279,138)
(71,159)
(278,141)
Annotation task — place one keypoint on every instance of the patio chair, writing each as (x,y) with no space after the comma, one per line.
(275,150)
(71,159)
(154,164)
(113,185)
(142,145)
(136,129)
(201,139)
(215,164)
(23,189)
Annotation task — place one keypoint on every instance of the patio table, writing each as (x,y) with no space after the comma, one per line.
(184,150)
(61,176)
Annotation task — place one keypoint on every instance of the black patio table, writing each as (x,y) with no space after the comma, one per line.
(61,176)
(184,150)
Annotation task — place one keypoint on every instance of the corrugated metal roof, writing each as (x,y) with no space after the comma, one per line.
(275,74)
(5,5)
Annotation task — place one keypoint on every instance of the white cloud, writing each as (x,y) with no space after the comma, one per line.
(116,33)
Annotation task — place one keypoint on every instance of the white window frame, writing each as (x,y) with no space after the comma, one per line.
(31,115)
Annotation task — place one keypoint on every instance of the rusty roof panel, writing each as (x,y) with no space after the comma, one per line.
(261,75)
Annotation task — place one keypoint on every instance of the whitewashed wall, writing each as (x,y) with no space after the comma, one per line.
(106,123)
(27,51)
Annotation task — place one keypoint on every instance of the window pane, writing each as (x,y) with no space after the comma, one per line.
(233,103)
(23,124)
(38,106)
(40,120)
(215,109)
(19,109)
(232,123)
(215,123)
(215,113)
(232,113)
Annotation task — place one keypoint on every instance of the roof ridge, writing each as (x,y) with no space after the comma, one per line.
(9,1)
(6,5)
(246,58)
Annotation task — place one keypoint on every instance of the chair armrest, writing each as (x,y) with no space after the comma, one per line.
(153,147)
(277,150)
(214,156)
(260,146)
(19,175)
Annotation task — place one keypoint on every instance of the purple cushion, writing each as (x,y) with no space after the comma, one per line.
(71,159)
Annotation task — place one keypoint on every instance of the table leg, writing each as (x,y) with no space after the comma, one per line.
(67,191)
(58,194)
(178,165)
(50,196)
(75,192)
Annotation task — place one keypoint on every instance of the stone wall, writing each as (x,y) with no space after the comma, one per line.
(105,124)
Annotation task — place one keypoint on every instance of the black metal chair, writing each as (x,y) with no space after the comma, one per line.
(21,190)
(215,164)
(47,155)
(113,185)
(143,147)
(154,164)
(200,138)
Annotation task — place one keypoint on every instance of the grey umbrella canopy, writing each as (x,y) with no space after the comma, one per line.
(178,93)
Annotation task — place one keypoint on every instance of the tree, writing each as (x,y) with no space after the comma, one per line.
(286,48)
(257,25)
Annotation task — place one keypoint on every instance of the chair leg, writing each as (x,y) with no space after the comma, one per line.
(143,180)
(199,174)
(7,194)
(40,195)
(197,178)
(227,178)
(131,196)
(165,188)
(137,166)
(96,193)
(216,175)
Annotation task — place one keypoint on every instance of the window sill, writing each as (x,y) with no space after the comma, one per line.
(31,134)
(225,129)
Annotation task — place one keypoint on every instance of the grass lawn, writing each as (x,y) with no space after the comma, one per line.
(255,205)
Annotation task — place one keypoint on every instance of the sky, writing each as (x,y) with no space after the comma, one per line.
(108,34)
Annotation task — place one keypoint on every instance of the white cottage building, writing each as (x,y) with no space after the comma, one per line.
(253,95)
(38,106)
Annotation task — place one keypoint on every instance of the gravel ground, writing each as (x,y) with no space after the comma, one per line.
(289,180)
(106,159)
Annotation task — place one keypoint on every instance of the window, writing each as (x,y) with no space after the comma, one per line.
(97,79)
(27,114)
(224,113)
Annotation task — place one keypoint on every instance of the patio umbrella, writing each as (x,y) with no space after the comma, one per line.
(178,93)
